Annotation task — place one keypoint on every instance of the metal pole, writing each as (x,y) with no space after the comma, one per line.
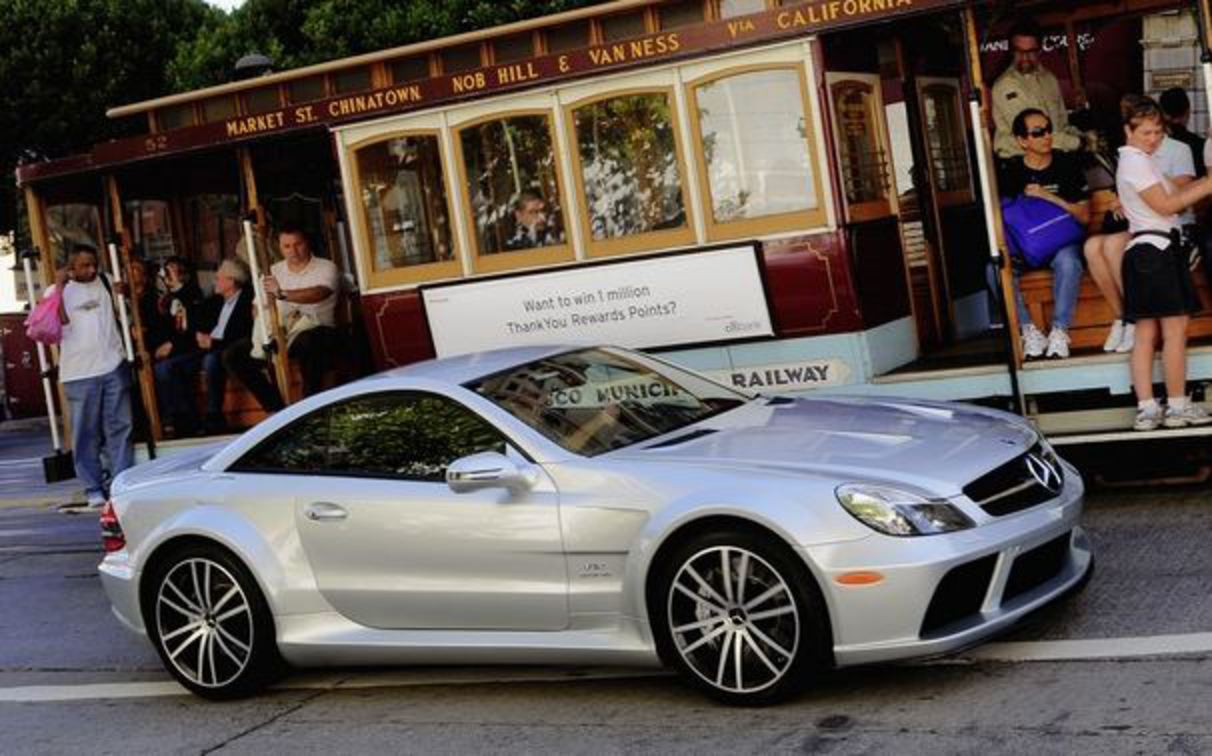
(43,363)
(123,313)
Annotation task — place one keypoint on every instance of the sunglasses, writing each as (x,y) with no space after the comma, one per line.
(1042,131)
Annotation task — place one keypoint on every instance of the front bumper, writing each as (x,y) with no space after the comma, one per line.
(899,617)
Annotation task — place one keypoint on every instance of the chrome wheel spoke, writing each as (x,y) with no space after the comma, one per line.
(223,647)
(180,609)
(701,623)
(765,596)
(742,574)
(737,646)
(202,659)
(226,597)
(779,612)
(231,613)
(187,627)
(726,574)
(206,585)
(723,663)
(186,643)
(768,641)
(713,593)
(707,638)
(696,597)
(232,639)
(196,609)
(193,574)
(761,655)
(210,657)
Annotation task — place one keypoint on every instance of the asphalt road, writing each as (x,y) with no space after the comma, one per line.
(1123,667)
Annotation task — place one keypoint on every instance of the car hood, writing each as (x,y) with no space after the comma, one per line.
(935,446)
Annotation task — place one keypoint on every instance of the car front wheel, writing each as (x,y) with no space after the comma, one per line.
(740,617)
(210,623)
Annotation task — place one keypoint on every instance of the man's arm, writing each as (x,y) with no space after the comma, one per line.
(1065,135)
(1004,112)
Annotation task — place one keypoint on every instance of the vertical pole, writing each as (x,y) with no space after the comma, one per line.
(123,312)
(978,105)
(279,358)
(43,362)
(141,359)
(41,238)
(1203,17)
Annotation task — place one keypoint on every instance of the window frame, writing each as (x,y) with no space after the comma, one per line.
(795,220)
(507,260)
(413,274)
(860,212)
(648,241)
(236,465)
(966,195)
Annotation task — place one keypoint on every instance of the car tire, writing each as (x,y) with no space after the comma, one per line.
(740,616)
(210,623)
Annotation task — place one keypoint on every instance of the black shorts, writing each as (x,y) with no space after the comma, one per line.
(1157,280)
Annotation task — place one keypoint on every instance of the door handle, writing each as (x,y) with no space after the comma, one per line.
(324,511)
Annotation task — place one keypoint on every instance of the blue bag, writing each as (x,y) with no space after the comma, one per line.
(1036,229)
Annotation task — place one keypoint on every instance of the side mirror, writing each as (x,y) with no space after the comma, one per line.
(487,470)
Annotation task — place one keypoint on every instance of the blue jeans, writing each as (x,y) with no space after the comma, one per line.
(1066,284)
(176,377)
(216,382)
(99,408)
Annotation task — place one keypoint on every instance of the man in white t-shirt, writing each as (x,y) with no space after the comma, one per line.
(305,288)
(93,371)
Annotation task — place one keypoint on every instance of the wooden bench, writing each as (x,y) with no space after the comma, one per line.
(1092,318)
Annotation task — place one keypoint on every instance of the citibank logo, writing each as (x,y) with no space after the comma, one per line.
(1044,473)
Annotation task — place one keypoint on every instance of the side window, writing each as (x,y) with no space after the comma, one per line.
(405,435)
(300,447)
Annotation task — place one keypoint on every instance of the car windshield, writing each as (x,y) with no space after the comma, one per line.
(594,400)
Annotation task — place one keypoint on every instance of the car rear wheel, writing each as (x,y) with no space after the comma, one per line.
(211,624)
(740,617)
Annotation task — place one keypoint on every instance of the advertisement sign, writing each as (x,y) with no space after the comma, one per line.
(680,299)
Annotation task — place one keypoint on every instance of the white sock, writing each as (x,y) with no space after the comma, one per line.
(1148,405)
(1176,403)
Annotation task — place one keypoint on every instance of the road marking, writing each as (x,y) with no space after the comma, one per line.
(1158,646)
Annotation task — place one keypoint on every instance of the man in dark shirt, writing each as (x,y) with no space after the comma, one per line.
(224,318)
(1055,177)
(1176,107)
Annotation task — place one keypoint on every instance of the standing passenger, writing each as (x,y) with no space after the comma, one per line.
(1158,293)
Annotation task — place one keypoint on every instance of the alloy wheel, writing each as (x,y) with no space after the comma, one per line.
(733,619)
(205,622)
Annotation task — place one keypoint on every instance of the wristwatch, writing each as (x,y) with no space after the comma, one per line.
(281,295)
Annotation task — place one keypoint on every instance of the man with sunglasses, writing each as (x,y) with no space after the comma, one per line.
(1027,83)
(1056,177)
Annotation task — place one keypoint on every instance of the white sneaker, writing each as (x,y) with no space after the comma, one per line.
(1129,339)
(1034,342)
(95,501)
(1148,419)
(1115,337)
(1058,343)
(1190,414)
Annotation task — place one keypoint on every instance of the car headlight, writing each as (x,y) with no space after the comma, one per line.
(896,512)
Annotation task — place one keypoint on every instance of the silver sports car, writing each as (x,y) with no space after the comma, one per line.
(590,506)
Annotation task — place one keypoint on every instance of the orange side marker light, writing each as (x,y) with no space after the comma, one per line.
(859,578)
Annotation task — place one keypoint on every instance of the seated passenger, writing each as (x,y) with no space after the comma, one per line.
(176,356)
(531,229)
(1057,177)
(305,288)
(224,318)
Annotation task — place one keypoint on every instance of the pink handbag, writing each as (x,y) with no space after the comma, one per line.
(43,324)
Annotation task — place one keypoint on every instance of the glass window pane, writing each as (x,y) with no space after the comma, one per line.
(150,228)
(678,15)
(863,163)
(357,80)
(732,8)
(945,137)
(214,220)
(514,47)
(629,165)
(511,173)
(72,224)
(262,100)
(410,69)
(755,145)
(306,90)
(460,59)
(412,436)
(568,37)
(301,446)
(404,202)
(219,109)
(623,26)
(175,117)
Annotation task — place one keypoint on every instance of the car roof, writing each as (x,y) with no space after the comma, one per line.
(464,368)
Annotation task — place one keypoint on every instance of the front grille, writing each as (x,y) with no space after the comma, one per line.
(959,594)
(1014,486)
(1035,567)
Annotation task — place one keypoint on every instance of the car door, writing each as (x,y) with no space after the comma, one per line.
(391,546)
